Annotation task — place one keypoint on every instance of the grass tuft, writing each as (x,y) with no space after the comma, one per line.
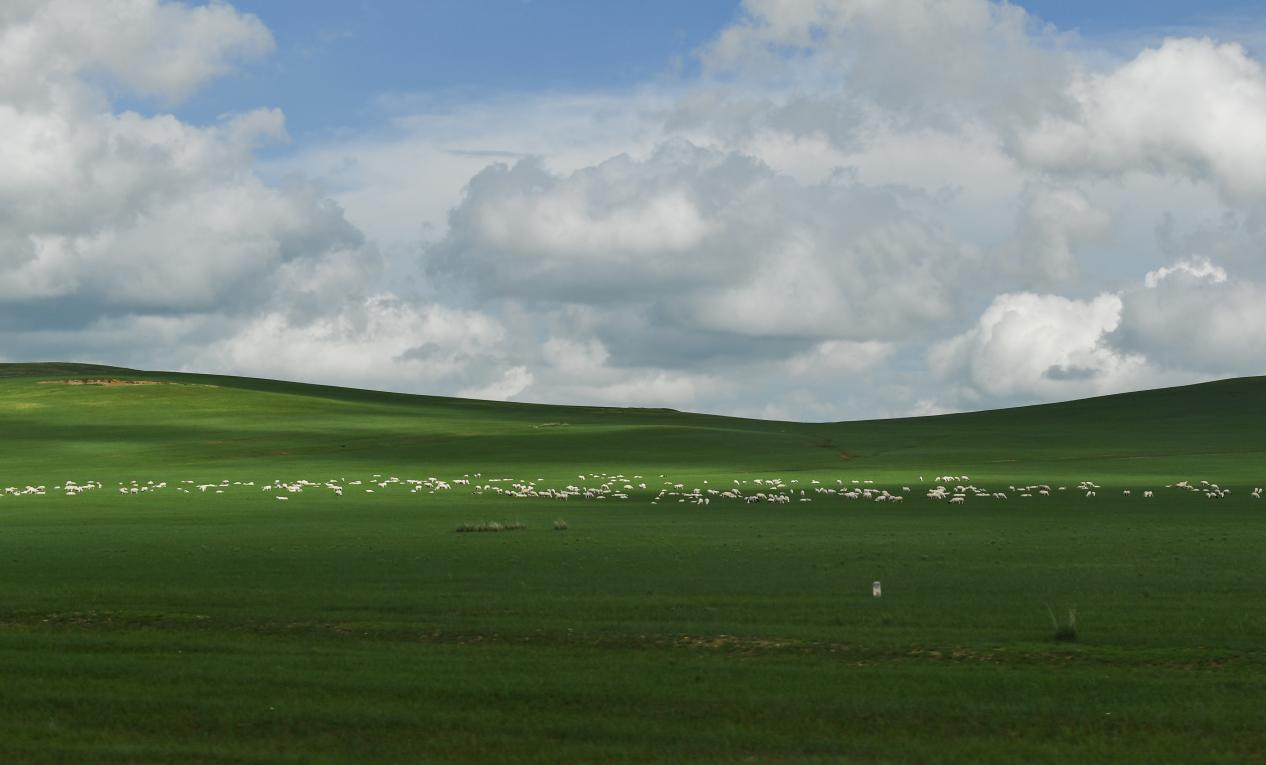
(560,525)
(1065,630)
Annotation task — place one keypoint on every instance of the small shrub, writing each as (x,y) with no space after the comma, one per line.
(1064,630)
(560,525)
(491,526)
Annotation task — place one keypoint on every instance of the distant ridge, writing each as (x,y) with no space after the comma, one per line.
(65,368)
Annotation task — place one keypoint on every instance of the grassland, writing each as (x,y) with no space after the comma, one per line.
(204,627)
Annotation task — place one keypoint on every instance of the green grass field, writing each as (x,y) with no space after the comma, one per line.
(180,625)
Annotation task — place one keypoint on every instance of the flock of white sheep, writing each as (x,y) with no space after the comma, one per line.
(955,489)
(960,493)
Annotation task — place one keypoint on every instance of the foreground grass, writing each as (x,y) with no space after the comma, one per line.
(236,628)
(301,634)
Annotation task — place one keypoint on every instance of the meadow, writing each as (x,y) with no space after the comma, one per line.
(193,626)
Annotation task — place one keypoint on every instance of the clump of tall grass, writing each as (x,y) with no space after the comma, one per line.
(1065,630)
(491,526)
(560,525)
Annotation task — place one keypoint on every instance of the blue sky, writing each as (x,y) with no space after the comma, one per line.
(804,209)
(334,57)
(1098,18)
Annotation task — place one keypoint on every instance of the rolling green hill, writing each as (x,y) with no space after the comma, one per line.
(243,426)
(200,619)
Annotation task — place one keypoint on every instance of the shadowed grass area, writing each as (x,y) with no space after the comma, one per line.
(204,627)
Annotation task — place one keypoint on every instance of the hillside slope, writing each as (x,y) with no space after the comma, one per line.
(245,426)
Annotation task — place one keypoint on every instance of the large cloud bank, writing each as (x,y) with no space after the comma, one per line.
(854,208)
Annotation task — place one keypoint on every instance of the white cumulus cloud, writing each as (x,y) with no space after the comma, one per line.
(1028,346)
(1190,107)
(1192,315)
(52,51)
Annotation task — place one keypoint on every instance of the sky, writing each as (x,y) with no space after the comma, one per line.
(792,209)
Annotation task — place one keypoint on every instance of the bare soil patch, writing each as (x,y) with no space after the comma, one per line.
(105,381)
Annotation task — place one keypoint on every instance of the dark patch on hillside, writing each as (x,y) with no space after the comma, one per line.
(63,369)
